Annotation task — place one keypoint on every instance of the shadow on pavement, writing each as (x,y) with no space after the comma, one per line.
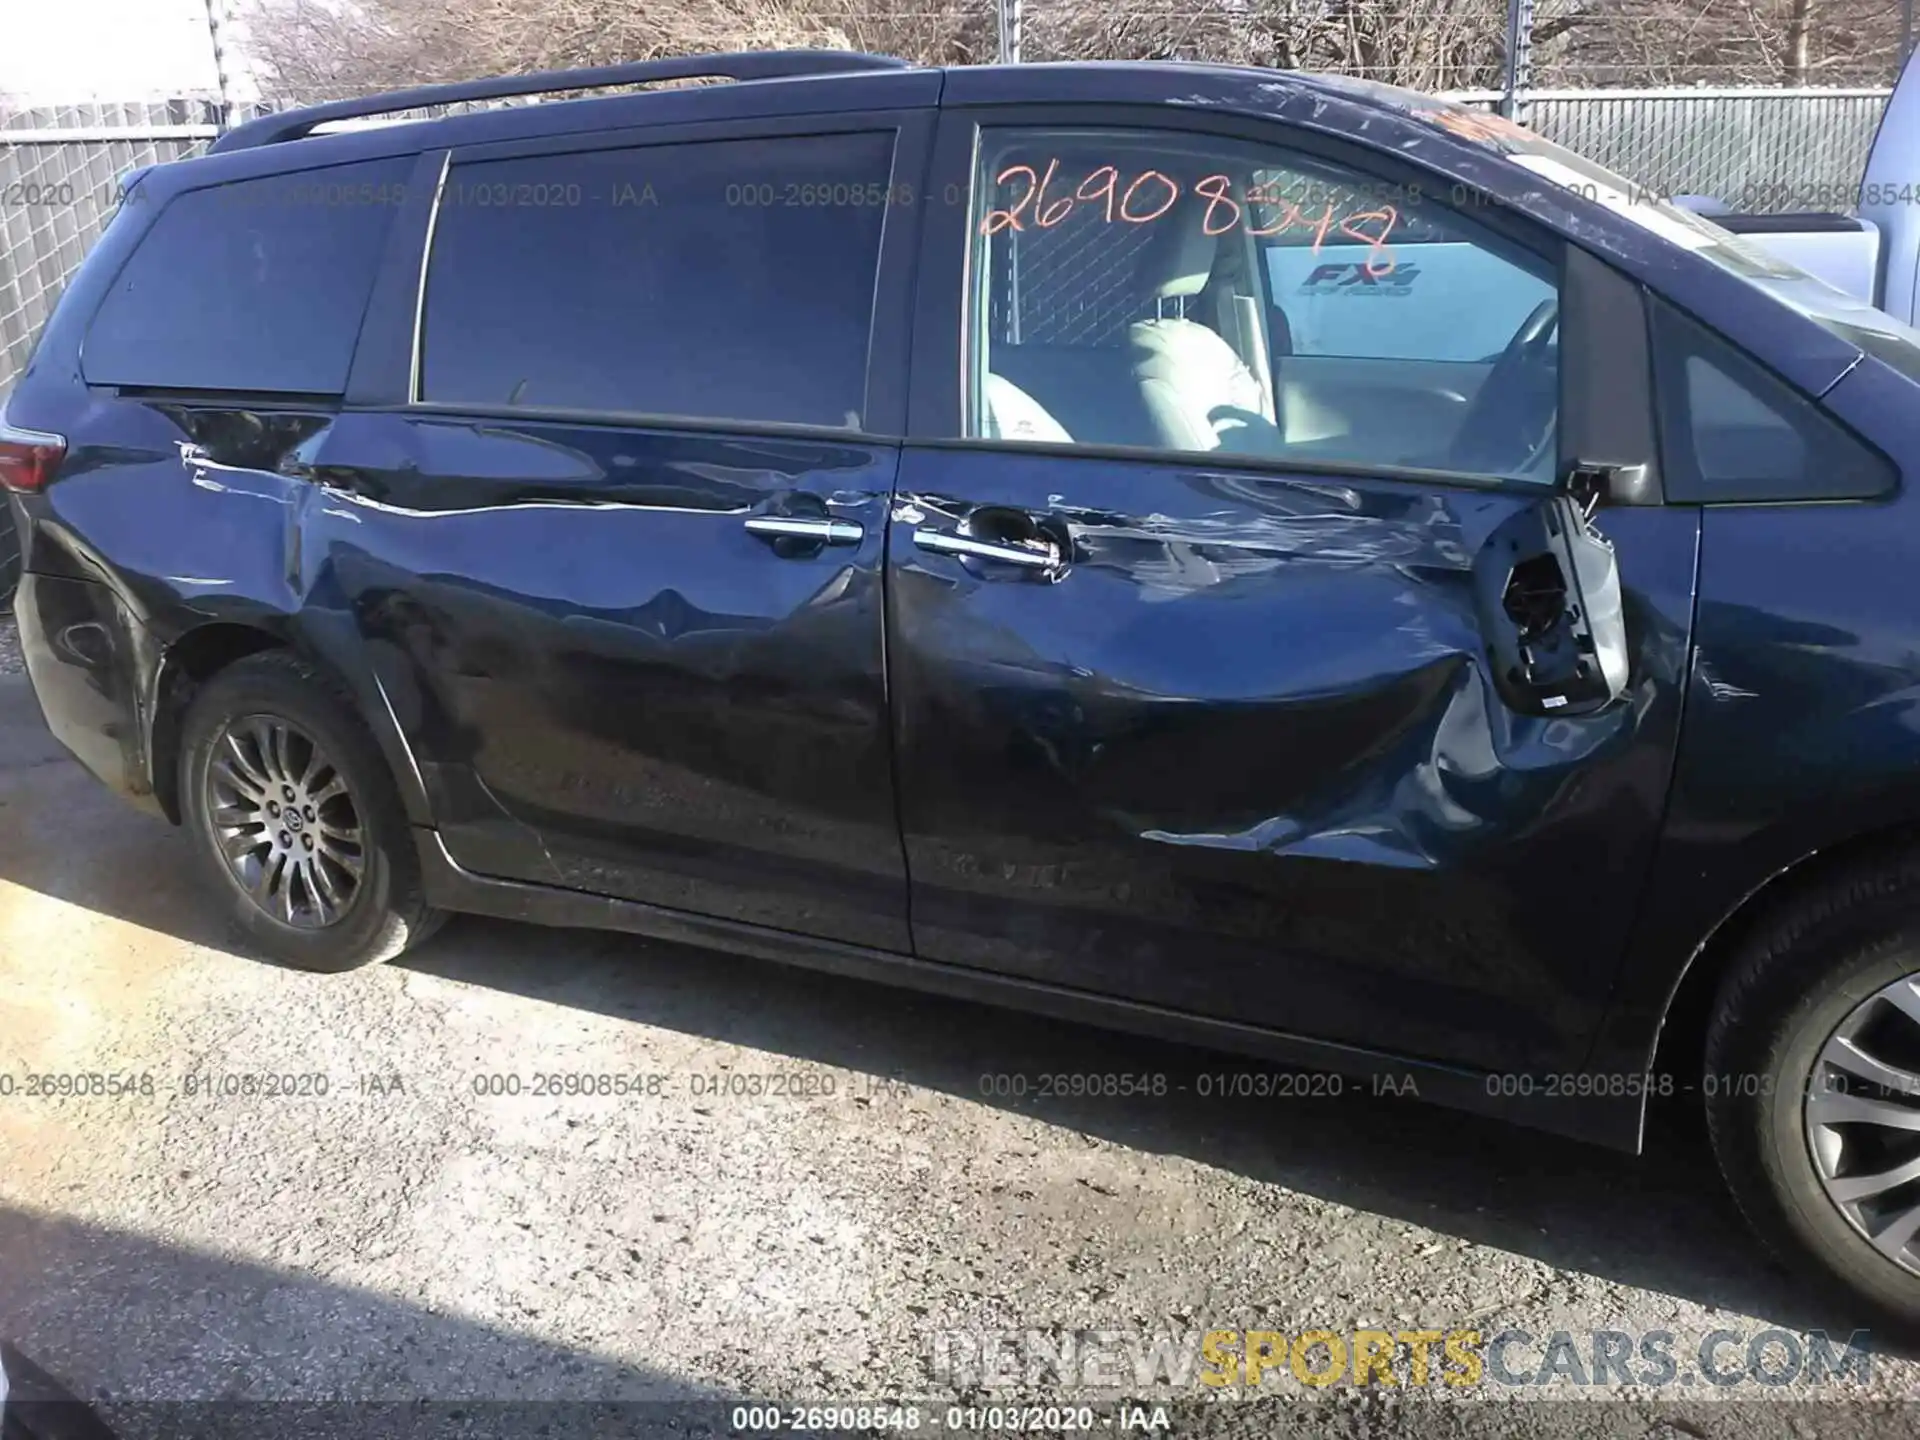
(165,1341)
(1661,1221)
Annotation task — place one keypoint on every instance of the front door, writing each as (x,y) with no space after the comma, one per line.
(618,560)
(1191,686)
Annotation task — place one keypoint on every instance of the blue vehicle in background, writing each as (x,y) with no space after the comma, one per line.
(1263,559)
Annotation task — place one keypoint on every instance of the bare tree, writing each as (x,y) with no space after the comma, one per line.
(1426,44)
(1720,42)
(1799,32)
(310,48)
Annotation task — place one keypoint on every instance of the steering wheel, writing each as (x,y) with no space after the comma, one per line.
(1510,423)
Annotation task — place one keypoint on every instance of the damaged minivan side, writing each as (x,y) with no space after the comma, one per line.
(1260,559)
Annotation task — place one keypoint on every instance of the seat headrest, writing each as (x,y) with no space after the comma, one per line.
(1178,259)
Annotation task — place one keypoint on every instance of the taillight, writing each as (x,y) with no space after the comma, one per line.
(28,458)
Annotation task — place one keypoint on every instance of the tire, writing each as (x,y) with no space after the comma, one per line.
(345,890)
(9,552)
(1825,961)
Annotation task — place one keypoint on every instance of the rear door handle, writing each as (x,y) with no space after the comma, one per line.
(821,532)
(1030,557)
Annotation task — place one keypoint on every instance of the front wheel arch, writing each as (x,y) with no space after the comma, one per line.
(1680,1041)
(1816,967)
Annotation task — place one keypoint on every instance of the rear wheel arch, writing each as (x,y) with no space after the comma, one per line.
(206,650)
(185,665)
(294,817)
(9,553)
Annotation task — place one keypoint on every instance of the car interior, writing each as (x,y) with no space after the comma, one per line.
(1167,332)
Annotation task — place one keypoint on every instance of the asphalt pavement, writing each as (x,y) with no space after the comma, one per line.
(537,1166)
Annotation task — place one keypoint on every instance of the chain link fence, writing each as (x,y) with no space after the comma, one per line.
(60,169)
(1761,150)
(1770,150)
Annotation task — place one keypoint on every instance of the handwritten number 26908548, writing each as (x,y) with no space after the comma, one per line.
(1144,197)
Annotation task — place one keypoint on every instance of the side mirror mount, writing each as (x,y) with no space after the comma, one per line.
(1547,591)
(1600,486)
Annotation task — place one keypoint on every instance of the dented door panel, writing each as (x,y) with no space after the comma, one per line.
(599,676)
(608,681)
(1242,756)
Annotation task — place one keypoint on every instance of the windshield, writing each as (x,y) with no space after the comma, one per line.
(1844,315)
(1841,314)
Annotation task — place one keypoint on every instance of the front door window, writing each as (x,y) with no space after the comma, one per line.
(1185,293)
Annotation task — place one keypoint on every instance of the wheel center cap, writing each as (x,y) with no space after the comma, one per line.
(294,822)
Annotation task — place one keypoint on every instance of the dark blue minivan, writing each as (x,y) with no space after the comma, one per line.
(1264,559)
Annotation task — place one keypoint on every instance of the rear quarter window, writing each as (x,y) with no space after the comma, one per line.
(257,285)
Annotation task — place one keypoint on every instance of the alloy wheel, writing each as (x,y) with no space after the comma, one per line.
(1863,1120)
(285,821)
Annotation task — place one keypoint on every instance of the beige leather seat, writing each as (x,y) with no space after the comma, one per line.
(1199,393)
(1012,414)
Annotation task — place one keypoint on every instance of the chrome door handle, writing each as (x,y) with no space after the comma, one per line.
(826,532)
(1031,557)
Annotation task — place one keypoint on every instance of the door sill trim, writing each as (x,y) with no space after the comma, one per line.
(1614,1122)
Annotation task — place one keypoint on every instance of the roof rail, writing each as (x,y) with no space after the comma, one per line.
(744,65)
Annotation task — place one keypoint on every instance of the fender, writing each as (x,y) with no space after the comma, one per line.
(229,504)
(1799,744)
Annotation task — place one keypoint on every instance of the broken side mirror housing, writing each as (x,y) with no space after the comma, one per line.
(1547,592)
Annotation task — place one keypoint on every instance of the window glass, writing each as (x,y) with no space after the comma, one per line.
(1193,293)
(1433,292)
(1852,319)
(259,285)
(723,280)
(1732,431)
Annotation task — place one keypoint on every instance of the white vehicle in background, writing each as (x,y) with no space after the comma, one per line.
(1872,252)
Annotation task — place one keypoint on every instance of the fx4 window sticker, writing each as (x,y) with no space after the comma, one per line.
(1356,277)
